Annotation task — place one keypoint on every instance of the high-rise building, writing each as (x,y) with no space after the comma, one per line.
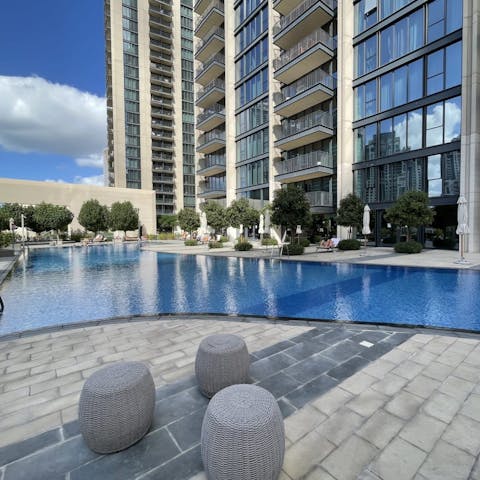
(151,138)
(375,97)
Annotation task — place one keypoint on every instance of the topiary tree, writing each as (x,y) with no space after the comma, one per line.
(93,216)
(123,216)
(290,207)
(410,210)
(8,211)
(167,222)
(350,213)
(52,217)
(216,215)
(188,219)
(240,212)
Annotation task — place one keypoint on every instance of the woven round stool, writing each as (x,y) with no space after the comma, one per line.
(116,406)
(243,436)
(222,360)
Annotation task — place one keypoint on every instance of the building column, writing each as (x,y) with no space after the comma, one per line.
(470,160)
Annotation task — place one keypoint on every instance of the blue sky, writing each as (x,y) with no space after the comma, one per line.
(52,88)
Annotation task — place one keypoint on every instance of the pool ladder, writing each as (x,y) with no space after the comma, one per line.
(1,305)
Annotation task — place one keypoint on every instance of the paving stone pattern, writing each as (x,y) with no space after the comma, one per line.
(297,370)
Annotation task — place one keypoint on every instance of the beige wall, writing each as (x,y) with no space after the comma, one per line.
(73,196)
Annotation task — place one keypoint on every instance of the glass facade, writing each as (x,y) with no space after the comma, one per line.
(131,93)
(251,77)
(416,146)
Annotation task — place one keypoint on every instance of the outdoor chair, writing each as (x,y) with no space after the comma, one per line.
(116,406)
(243,436)
(222,360)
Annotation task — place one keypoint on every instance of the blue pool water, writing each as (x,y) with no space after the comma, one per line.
(60,286)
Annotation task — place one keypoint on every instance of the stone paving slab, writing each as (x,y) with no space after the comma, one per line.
(171,448)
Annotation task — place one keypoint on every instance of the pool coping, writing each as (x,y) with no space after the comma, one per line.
(6,271)
(310,322)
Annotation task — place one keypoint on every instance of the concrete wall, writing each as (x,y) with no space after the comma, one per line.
(73,196)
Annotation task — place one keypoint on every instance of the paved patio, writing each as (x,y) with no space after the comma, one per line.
(358,401)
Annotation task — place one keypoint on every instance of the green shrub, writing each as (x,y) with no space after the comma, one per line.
(166,236)
(305,242)
(5,239)
(223,239)
(215,245)
(191,243)
(269,241)
(76,235)
(243,246)
(293,249)
(349,244)
(408,247)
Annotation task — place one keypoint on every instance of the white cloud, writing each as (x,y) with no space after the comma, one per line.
(54,181)
(93,180)
(95,160)
(39,116)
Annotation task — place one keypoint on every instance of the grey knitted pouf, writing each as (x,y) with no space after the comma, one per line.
(243,436)
(116,406)
(222,360)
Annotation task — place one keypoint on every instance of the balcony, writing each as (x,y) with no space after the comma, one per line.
(312,51)
(159,178)
(162,145)
(211,93)
(285,6)
(200,6)
(211,18)
(211,117)
(166,13)
(211,141)
(213,187)
(312,89)
(309,128)
(162,135)
(211,165)
(161,57)
(301,21)
(166,124)
(162,112)
(211,44)
(158,32)
(160,101)
(160,45)
(212,68)
(159,67)
(320,199)
(305,167)
(160,22)
(160,79)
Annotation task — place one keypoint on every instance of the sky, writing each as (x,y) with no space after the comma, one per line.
(52,90)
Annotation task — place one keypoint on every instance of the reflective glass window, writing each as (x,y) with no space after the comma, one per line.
(400,133)
(386,91)
(453,119)
(415,129)
(386,138)
(400,86)
(386,45)
(435,69)
(415,80)
(453,73)
(371,141)
(434,125)
(371,98)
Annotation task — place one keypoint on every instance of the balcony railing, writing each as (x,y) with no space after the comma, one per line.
(212,161)
(297,12)
(213,110)
(217,83)
(316,37)
(161,100)
(160,56)
(159,43)
(320,199)
(314,78)
(160,33)
(305,122)
(211,136)
(161,21)
(214,184)
(214,31)
(161,111)
(162,134)
(307,160)
(161,10)
(161,78)
(161,67)
(218,57)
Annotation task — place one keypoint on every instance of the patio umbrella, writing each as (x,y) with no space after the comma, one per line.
(203,224)
(462,227)
(366,223)
(261,226)
(267,222)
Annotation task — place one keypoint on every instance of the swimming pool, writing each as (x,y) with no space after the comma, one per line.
(60,286)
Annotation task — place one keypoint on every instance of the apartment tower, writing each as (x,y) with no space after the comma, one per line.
(150,109)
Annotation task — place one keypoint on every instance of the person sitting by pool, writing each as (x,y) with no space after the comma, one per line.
(326,245)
